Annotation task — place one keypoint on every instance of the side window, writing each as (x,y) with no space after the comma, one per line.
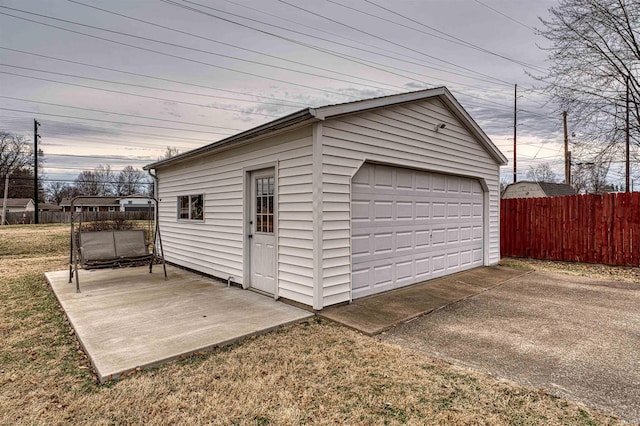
(191,207)
(196,210)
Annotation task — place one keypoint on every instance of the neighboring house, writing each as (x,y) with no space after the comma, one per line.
(334,203)
(18,205)
(133,204)
(529,189)
(48,207)
(93,204)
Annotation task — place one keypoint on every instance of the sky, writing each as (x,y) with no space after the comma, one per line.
(117,82)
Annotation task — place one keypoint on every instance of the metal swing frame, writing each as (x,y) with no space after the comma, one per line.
(113,261)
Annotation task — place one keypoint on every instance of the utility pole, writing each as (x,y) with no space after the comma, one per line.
(4,199)
(35,171)
(567,154)
(515,117)
(626,178)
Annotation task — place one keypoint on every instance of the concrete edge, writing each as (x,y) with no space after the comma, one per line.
(73,327)
(430,311)
(102,379)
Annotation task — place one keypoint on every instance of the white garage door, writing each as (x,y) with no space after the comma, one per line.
(408,226)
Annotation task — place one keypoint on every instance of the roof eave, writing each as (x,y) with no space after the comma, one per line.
(290,120)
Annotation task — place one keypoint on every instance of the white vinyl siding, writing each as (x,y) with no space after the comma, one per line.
(215,245)
(400,135)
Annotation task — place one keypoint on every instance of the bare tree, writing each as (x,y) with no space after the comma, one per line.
(594,52)
(57,191)
(169,152)
(105,180)
(591,177)
(16,166)
(86,183)
(130,181)
(541,173)
(15,153)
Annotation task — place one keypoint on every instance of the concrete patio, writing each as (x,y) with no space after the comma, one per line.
(128,318)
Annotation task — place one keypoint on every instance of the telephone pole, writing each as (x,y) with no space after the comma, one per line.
(567,153)
(626,179)
(515,117)
(36,219)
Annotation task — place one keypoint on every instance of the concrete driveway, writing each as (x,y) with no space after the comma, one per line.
(575,337)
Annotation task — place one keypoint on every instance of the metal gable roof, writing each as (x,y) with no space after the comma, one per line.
(552,189)
(310,115)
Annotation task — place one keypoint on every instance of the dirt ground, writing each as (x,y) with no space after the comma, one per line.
(311,373)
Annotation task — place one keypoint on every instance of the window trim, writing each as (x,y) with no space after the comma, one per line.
(190,210)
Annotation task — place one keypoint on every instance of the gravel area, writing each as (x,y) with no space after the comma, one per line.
(603,272)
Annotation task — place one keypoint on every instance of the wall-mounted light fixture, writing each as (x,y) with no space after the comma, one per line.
(439,126)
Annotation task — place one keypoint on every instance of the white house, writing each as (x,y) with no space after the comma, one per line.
(135,204)
(334,203)
(530,189)
(19,205)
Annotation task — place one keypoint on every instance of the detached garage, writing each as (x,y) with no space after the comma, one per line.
(334,203)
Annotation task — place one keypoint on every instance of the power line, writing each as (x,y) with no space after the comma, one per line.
(119,113)
(110,121)
(71,180)
(308,45)
(237,47)
(392,42)
(61,124)
(451,39)
(503,14)
(352,58)
(157,51)
(155,78)
(126,93)
(144,87)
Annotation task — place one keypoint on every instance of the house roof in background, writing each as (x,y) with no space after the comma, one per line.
(311,115)
(556,189)
(48,207)
(17,202)
(92,201)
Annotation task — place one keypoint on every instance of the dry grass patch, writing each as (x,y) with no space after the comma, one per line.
(602,272)
(311,373)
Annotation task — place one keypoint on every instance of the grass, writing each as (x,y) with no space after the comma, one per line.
(310,373)
(597,271)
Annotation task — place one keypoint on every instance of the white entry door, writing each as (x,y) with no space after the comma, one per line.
(262,231)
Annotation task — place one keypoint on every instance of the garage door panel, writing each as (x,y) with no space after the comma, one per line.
(383,244)
(409,226)
(360,245)
(360,210)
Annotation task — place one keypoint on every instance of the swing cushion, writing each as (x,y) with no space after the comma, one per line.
(97,246)
(110,247)
(130,244)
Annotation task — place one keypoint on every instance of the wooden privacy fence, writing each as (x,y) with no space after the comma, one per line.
(579,228)
(15,218)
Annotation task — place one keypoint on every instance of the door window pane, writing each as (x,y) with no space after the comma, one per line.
(264,204)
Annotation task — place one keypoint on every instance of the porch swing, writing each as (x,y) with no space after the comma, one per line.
(113,248)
